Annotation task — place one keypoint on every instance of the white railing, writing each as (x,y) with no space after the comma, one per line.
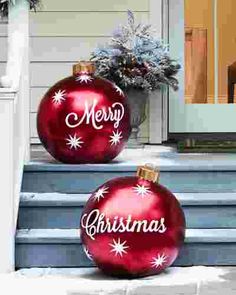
(14,128)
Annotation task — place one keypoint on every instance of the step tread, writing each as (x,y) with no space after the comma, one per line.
(48,236)
(74,271)
(52,199)
(177,280)
(166,158)
(70,200)
(65,236)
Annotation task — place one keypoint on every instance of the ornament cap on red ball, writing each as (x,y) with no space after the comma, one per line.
(84,118)
(133,226)
(85,67)
(148,172)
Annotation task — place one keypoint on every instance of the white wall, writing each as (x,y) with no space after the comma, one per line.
(63,32)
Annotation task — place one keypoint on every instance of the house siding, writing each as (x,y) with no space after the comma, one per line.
(3,45)
(63,32)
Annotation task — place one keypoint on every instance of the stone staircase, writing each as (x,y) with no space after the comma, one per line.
(53,196)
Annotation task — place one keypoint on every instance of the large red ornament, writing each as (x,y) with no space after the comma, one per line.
(83,118)
(132,226)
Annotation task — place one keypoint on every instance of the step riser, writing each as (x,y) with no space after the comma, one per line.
(69,217)
(72,255)
(88,181)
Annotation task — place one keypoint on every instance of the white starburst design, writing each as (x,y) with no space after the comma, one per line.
(87,253)
(59,96)
(117,88)
(74,142)
(119,247)
(141,190)
(115,138)
(100,193)
(159,260)
(84,78)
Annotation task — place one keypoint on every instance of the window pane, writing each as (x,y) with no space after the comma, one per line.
(227,50)
(199,51)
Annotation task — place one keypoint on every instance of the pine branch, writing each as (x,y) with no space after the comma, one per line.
(134,58)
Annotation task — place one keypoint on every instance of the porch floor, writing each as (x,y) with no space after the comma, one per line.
(163,157)
(174,281)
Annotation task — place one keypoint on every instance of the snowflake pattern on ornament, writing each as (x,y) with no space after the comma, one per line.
(117,88)
(84,78)
(141,190)
(59,96)
(100,193)
(87,253)
(159,260)
(115,138)
(74,142)
(118,247)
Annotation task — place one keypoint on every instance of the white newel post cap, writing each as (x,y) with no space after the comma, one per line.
(5,82)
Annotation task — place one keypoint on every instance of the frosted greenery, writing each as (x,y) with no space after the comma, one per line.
(4,6)
(134,58)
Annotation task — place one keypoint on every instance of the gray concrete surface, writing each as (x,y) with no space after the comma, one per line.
(90,281)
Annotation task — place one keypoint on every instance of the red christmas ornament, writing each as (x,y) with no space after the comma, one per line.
(83,118)
(132,226)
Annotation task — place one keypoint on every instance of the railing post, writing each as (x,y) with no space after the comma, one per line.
(14,128)
(7,228)
(18,46)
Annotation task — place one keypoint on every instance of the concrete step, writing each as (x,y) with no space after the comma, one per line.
(89,281)
(179,172)
(85,179)
(62,248)
(55,210)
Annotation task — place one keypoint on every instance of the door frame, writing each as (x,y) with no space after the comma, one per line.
(158,101)
(183,117)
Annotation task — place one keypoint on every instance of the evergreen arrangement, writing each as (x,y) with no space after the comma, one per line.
(134,58)
(4,6)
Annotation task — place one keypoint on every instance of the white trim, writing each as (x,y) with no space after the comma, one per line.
(4,91)
(7,229)
(165,97)
(176,41)
(7,95)
(158,102)
(155,16)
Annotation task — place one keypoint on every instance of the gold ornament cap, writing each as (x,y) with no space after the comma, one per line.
(87,67)
(148,172)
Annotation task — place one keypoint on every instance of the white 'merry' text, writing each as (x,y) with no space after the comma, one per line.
(115,113)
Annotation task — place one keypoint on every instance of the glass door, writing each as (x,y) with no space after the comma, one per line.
(202,37)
